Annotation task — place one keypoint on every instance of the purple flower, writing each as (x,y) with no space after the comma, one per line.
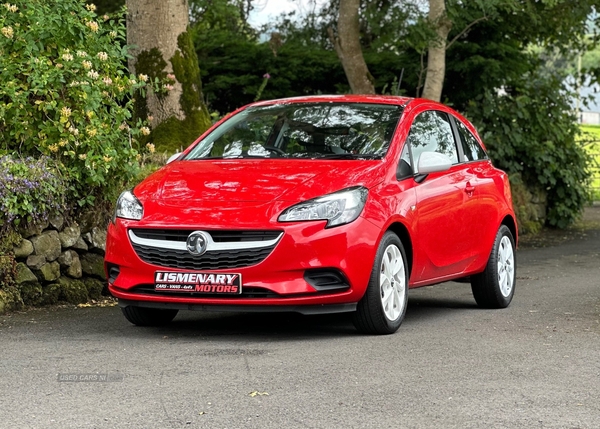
(267,76)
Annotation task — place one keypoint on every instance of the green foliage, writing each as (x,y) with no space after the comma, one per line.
(497,49)
(590,140)
(65,94)
(229,16)
(532,131)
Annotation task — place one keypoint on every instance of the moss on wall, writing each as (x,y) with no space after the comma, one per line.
(529,205)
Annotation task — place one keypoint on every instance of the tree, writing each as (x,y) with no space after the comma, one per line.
(347,46)
(436,58)
(163,53)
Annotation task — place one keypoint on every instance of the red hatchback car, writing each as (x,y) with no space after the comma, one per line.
(317,204)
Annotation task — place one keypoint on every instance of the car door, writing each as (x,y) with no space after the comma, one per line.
(485,181)
(445,200)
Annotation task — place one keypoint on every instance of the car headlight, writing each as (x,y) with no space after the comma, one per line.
(339,208)
(128,207)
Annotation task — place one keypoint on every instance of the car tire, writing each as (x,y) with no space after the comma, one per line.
(495,286)
(383,306)
(142,316)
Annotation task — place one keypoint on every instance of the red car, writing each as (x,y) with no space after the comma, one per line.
(317,204)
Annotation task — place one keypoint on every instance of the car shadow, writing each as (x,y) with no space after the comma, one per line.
(430,308)
(286,326)
(255,326)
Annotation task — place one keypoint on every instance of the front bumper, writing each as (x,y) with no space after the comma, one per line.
(278,283)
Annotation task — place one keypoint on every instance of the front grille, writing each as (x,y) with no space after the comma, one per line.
(217,236)
(248,292)
(218,260)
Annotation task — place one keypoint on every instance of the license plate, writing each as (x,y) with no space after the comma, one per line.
(198,282)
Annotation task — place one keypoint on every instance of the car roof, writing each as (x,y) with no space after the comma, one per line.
(380,99)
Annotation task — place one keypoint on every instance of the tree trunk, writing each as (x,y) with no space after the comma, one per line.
(347,47)
(162,49)
(153,25)
(436,58)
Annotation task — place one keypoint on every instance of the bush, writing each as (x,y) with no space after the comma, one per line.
(65,94)
(532,131)
(30,190)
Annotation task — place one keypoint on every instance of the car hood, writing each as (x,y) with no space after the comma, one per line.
(254,181)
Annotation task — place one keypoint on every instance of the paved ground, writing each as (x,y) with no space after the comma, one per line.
(451,365)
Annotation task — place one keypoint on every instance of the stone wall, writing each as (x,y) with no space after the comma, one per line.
(530,205)
(57,262)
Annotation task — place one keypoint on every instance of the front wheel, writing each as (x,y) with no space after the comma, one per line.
(142,316)
(382,308)
(495,286)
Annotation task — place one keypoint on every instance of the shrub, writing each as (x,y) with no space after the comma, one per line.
(30,190)
(531,130)
(65,94)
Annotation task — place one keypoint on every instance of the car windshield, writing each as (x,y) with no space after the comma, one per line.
(303,130)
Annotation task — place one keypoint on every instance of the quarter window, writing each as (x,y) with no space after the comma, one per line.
(431,132)
(471,147)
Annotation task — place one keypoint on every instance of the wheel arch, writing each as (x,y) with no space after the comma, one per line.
(402,232)
(510,223)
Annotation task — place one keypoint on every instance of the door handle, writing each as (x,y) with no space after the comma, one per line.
(469,189)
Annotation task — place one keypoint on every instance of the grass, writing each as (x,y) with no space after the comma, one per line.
(591,140)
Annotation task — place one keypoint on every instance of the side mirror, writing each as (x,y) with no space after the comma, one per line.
(433,162)
(173,157)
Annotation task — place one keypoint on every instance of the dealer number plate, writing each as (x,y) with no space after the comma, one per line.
(198,282)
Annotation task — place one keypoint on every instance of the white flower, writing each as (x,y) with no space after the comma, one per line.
(113,34)
(7,31)
(103,56)
(143,77)
(145,131)
(92,25)
(93,74)
(67,57)
(86,64)
(107,81)
(65,111)
(91,7)
(81,54)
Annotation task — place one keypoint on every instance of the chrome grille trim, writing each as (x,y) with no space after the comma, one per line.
(212,246)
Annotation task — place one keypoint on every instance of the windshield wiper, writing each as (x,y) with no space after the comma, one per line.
(348,156)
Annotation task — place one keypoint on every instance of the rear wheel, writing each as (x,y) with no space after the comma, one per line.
(142,316)
(495,286)
(382,308)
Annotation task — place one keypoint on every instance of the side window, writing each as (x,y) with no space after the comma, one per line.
(431,132)
(471,147)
